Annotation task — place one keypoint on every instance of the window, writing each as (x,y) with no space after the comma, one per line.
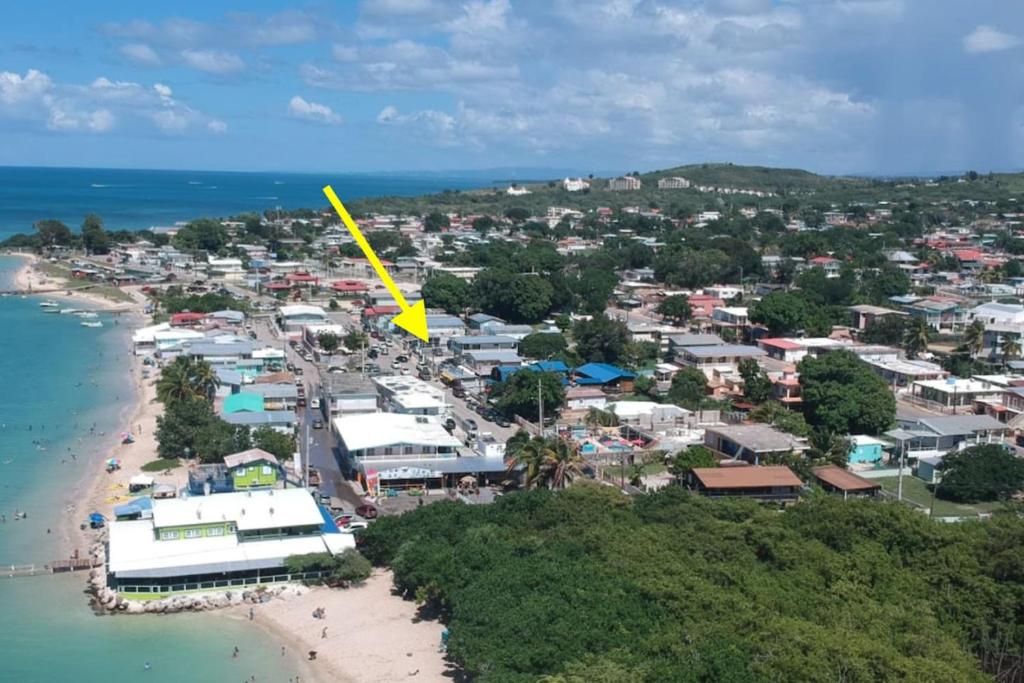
(267,470)
(193,533)
(168,535)
(215,531)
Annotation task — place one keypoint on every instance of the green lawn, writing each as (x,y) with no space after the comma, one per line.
(917,493)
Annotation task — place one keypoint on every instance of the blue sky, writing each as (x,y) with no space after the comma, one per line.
(837,86)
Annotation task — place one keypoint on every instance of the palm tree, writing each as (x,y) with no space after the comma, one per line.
(974,337)
(915,339)
(596,417)
(204,380)
(551,462)
(186,378)
(1010,348)
(174,385)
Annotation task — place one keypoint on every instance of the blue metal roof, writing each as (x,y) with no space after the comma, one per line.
(548,366)
(600,373)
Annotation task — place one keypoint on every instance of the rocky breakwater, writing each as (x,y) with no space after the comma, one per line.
(106,600)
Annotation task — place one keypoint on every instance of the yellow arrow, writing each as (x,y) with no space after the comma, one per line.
(412,319)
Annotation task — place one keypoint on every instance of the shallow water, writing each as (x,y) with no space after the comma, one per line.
(61,386)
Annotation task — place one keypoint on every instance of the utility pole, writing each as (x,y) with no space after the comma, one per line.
(305,459)
(540,406)
(899,477)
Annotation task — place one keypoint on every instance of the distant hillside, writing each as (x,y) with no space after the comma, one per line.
(751,177)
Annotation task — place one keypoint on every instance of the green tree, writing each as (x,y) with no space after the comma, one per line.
(542,345)
(916,338)
(647,387)
(757,388)
(483,223)
(887,330)
(781,417)
(689,458)
(203,234)
(355,340)
(517,214)
(596,418)
(600,339)
(191,427)
(593,288)
(676,308)
(328,341)
(435,221)
(530,299)
(282,446)
(94,237)
(843,395)
(974,338)
(517,395)
(980,473)
(546,462)
(53,233)
(1010,348)
(689,388)
(186,378)
(783,313)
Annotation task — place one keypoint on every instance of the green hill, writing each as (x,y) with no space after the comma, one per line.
(751,177)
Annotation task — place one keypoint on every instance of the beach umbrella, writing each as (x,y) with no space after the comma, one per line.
(114,461)
(96,517)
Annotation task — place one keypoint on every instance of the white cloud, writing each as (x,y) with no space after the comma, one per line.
(96,107)
(140,53)
(16,89)
(220,62)
(286,28)
(300,108)
(988,39)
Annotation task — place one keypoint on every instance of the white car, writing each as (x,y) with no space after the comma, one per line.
(355,524)
(405,371)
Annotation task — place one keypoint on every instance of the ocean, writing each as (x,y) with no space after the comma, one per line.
(138,199)
(65,393)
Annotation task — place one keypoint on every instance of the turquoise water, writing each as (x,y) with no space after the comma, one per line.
(139,199)
(69,384)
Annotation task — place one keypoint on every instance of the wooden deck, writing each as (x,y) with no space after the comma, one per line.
(56,567)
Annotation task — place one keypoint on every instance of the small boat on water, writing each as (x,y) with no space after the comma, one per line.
(87,314)
(91,323)
(49,304)
(69,311)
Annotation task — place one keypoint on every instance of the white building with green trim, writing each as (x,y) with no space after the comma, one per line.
(219,541)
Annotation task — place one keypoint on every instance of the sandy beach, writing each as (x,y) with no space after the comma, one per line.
(373,636)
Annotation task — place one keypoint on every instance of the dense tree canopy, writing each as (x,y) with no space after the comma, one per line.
(981,473)
(542,345)
(446,291)
(205,234)
(600,339)
(588,585)
(518,394)
(783,313)
(94,237)
(843,395)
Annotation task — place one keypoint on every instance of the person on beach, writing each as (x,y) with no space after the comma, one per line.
(323,634)
(234,655)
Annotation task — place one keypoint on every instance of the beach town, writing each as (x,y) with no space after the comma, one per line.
(282,416)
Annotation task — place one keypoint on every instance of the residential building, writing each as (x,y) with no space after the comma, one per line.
(752,443)
(837,480)
(459,344)
(721,358)
(627,182)
(575,185)
(674,183)
(769,484)
(410,395)
(296,316)
(254,468)
(936,436)
(609,377)
(953,393)
(283,421)
(348,394)
(584,398)
(865,314)
(865,449)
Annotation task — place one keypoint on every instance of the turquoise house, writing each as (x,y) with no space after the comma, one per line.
(865,449)
(243,403)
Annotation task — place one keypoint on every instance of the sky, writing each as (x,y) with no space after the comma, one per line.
(833,86)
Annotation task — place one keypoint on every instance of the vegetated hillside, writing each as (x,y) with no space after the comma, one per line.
(752,177)
(789,188)
(589,585)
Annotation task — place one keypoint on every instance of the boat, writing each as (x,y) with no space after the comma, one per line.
(91,323)
(49,304)
(69,311)
(87,314)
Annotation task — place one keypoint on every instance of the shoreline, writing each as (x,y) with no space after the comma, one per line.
(373,635)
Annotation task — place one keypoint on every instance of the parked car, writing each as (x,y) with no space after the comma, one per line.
(458,391)
(367,511)
(372,353)
(355,524)
(449,424)
(405,371)
(318,423)
(471,426)
(300,401)
(402,358)
(424,375)
(314,404)
(502,421)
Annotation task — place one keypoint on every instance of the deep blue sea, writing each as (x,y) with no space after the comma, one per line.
(139,199)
